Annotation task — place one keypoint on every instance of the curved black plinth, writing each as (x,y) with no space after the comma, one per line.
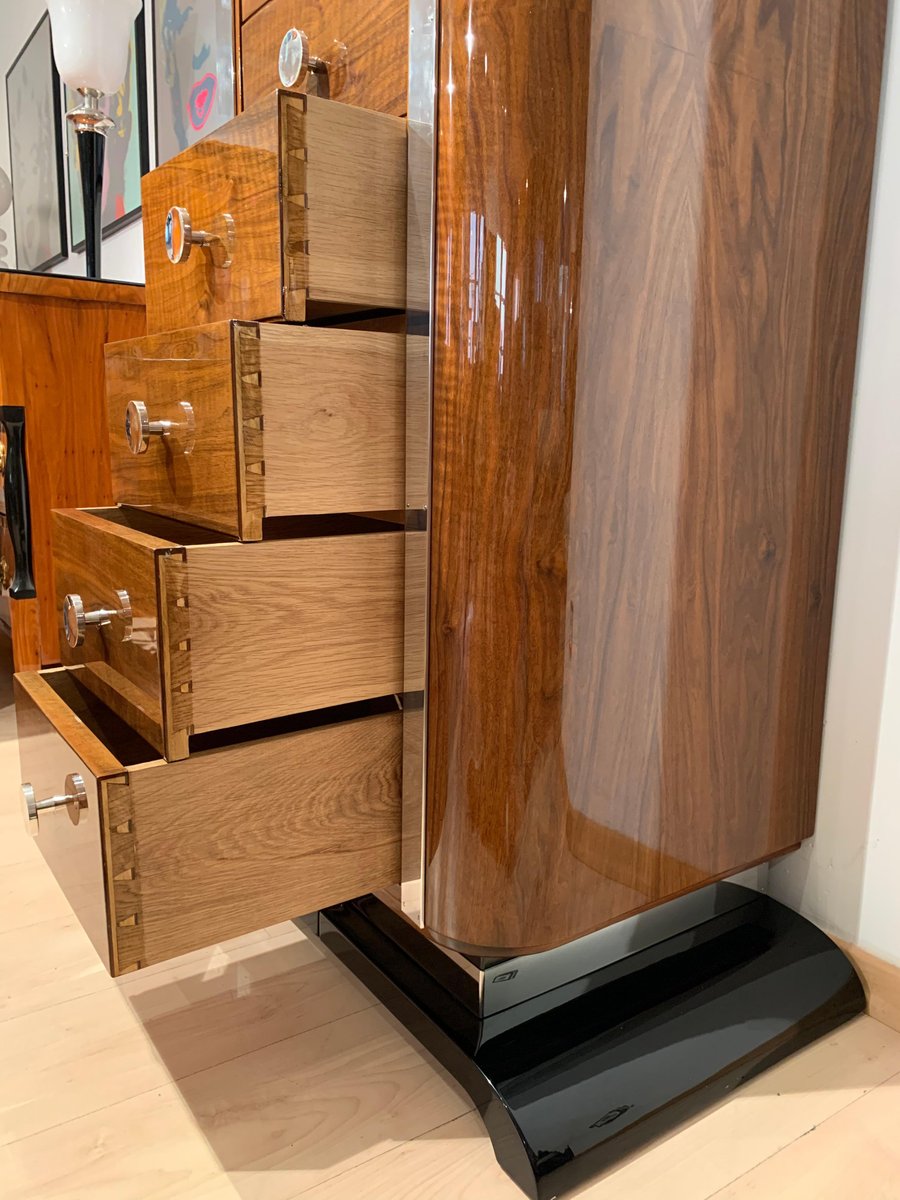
(601,1065)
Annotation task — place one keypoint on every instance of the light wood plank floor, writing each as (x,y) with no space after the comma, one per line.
(262,1070)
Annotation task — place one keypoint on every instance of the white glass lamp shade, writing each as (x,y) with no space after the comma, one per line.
(90,41)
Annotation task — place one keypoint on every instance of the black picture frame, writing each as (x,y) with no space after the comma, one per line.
(143,128)
(47,156)
(222,60)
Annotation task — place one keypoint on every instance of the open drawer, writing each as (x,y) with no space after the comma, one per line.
(182,632)
(158,859)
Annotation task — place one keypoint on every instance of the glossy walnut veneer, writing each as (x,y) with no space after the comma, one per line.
(168,858)
(307,199)
(364,44)
(288,420)
(649,265)
(228,633)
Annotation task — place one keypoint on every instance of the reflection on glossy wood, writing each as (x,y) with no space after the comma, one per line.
(307,201)
(647,305)
(51,362)
(371,72)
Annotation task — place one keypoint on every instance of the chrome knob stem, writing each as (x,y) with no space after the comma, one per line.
(74,799)
(139,427)
(77,620)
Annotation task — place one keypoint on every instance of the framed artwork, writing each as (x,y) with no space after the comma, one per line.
(193,71)
(35,153)
(127,147)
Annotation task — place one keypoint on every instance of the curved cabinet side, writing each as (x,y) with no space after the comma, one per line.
(651,226)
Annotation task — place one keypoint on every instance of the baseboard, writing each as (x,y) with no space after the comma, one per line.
(881,981)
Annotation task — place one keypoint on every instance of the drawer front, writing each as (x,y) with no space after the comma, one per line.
(364,47)
(105,568)
(68,835)
(296,208)
(228,185)
(281,421)
(171,412)
(228,841)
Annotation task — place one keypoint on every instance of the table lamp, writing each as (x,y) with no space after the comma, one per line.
(90,45)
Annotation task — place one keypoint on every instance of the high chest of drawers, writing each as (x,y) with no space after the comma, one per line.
(221,748)
(478,481)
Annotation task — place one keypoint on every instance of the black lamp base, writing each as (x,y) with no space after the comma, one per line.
(91,154)
(569,1084)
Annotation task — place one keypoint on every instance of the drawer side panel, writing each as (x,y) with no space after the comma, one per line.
(233,840)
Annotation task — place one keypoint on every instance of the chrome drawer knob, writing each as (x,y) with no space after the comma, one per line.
(295,61)
(74,799)
(76,619)
(181,235)
(139,428)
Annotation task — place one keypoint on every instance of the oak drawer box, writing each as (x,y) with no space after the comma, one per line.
(222,425)
(361,46)
(180,634)
(158,858)
(295,208)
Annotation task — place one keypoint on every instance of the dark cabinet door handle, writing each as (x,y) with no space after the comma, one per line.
(15,493)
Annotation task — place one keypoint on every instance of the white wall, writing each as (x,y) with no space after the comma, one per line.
(848,878)
(123,251)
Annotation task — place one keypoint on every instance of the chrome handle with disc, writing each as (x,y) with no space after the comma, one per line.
(180,236)
(76,618)
(295,61)
(74,799)
(139,428)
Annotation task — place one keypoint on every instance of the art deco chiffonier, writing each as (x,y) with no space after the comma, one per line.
(469,582)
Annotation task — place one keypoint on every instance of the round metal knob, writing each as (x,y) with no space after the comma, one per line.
(74,799)
(294,59)
(139,428)
(181,235)
(76,619)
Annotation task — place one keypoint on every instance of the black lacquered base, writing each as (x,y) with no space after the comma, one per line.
(571,1082)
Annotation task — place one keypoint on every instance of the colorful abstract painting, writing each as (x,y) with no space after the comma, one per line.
(127,151)
(194,71)
(35,151)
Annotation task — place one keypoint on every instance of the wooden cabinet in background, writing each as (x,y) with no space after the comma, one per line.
(51,364)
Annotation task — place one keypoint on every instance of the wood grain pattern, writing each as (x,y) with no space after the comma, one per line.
(316,192)
(333,420)
(314,622)
(233,171)
(230,633)
(288,421)
(25,631)
(51,362)
(371,73)
(232,840)
(226,842)
(161,371)
(355,208)
(647,303)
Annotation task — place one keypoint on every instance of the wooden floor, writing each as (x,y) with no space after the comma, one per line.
(261,1070)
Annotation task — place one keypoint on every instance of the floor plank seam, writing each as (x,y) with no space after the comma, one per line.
(323,1183)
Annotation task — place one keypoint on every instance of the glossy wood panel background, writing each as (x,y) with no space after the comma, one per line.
(52,333)
(372,73)
(650,251)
